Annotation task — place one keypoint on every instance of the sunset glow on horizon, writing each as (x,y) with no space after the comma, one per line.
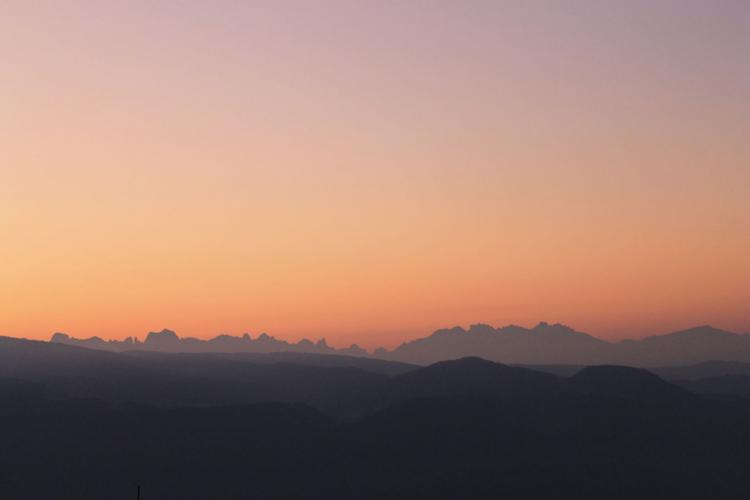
(369,172)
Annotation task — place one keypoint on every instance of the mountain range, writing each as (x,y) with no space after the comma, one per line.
(168,341)
(544,344)
(92,424)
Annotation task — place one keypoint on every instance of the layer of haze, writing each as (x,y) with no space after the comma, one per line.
(369,171)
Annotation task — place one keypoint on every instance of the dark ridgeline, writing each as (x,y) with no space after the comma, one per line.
(544,344)
(88,424)
(547,344)
(168,341)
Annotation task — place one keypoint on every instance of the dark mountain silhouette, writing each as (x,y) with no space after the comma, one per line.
(90,424)
(169,341)
(33,355)
(588,443)
(511,344)
(340,385)
(473,377)
(554,345)
(551,347)
(626,382)
(685,347)
(670,373)
(335,384)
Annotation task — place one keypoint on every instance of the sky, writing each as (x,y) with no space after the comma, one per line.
(370,171)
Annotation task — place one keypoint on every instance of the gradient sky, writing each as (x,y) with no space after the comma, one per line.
(369,171)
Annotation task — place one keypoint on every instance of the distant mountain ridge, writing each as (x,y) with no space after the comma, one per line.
(559,344)
(168,341)
(543,344)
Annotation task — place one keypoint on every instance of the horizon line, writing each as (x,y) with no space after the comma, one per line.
(250,337)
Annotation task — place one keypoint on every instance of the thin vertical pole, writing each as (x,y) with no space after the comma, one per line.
(139,492)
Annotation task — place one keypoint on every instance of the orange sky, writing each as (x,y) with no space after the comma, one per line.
(371,171)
